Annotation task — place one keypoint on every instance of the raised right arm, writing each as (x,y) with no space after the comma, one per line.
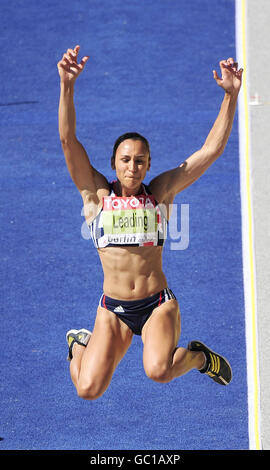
(86,178)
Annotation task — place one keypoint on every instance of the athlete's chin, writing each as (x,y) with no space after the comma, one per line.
(132,181)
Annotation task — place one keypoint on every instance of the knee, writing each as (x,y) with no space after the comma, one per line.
(158,372)
(89,391)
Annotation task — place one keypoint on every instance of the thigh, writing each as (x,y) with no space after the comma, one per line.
(161,333)
(109,342)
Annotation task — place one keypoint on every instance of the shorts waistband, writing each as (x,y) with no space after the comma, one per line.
(163,295)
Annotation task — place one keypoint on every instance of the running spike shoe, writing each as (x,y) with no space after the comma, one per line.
(217,367)
(77,336)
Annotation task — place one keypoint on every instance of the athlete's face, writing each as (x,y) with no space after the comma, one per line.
(132,161)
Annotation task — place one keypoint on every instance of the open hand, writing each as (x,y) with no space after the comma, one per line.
(231,77)
(68,67)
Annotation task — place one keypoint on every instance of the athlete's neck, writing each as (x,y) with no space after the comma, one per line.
(121,190)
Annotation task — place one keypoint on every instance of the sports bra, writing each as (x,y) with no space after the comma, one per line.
(129,221)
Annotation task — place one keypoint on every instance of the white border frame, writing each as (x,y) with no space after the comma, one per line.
(249,270)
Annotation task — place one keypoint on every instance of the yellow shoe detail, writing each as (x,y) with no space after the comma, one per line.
(210,374)
(70,339)
(215,363)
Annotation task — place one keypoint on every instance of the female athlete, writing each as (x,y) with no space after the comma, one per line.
(127,221)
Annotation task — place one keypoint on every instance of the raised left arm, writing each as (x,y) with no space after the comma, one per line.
(170,183)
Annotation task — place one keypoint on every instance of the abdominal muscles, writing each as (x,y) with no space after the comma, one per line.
(132,273)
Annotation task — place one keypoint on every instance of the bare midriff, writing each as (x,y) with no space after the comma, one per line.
(132,273)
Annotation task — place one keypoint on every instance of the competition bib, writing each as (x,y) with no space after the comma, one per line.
(130,220)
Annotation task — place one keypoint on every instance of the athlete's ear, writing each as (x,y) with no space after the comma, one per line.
(113,163)
(149,163)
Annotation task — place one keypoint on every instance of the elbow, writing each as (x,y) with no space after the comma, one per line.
(67,140)
(63,141)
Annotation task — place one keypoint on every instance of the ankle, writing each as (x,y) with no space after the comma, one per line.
(77,348)
(201,360)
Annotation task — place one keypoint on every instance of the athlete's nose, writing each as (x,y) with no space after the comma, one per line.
(132,166)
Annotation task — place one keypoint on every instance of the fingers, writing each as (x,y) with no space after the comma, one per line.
(230,64)
(229,68)
(70,63)
(216,77)
(70,57)
(231,77)
(83,61)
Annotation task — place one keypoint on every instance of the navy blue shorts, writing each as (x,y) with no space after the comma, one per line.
(134,313)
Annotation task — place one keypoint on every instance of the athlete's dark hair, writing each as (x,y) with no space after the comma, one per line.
(132,136)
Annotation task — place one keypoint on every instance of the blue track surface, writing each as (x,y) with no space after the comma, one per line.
(150,71)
